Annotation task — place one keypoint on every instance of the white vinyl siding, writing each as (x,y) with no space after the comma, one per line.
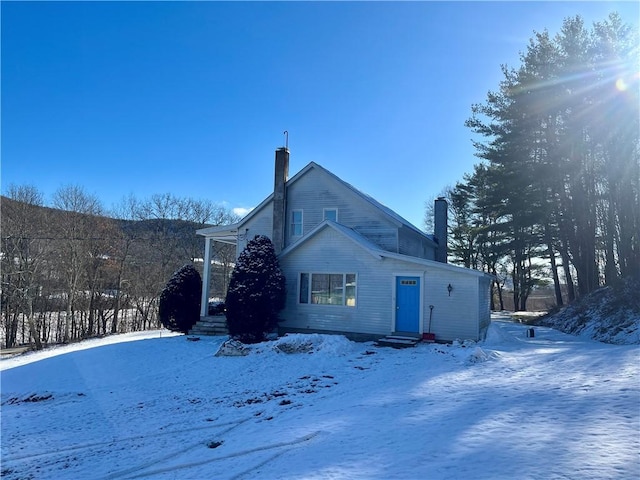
(415,245)
(260,224)
(337,254)
(317,193)
(484,305)
(454,316)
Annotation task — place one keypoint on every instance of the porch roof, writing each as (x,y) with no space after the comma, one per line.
(221,233)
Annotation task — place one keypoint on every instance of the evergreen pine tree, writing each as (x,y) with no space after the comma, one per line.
(179,307)
(256,292)
(560,138)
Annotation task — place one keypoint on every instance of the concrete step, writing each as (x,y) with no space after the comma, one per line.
(409,338)
(210,326)
(208,331)
(398,341)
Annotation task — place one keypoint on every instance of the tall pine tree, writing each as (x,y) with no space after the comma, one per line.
(561,142)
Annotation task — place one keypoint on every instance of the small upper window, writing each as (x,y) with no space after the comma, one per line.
(331,214)
(296,223)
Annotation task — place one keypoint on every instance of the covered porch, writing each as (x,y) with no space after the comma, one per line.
(225,234)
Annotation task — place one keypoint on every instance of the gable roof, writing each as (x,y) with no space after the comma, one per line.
(397,219)
(376,251)
(392,214)
(347,232)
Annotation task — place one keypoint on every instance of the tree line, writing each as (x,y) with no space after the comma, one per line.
(557,193)
(71,270)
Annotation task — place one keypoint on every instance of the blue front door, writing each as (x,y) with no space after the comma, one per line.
(408,304)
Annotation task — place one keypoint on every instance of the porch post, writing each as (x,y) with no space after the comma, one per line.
(204,302)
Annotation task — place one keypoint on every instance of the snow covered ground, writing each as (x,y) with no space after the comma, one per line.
(608,314)
(548,407)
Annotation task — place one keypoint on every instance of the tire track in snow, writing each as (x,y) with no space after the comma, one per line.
(251,470)
(291,443)
(154,461)
(113,441)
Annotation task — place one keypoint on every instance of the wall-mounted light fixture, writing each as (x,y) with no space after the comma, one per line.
(449,288)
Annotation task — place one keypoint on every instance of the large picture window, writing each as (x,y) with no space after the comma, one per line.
(328,289)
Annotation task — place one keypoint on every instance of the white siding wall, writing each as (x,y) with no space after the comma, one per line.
(484,305)
(454,316)
(331,252)
(316,191)
(411,243)
(260,224)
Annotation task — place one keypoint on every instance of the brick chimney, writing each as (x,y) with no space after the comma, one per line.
(280,198)
(440,221)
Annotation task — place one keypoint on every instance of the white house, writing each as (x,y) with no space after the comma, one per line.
(355,267)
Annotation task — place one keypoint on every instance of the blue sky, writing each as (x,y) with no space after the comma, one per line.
(192,98)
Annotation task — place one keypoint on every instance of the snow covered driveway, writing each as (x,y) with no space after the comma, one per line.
(552,406)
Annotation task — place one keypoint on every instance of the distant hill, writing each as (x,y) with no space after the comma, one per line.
(175,228)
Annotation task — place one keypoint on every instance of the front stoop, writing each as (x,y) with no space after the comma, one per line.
(210,326)
(398,341)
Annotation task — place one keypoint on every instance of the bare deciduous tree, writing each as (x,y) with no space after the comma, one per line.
(24,252)
(76,225)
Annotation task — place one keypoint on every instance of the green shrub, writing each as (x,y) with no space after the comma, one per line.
(256,292)
(179,307)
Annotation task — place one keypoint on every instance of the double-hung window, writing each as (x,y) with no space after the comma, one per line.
(328,289)
(296,223)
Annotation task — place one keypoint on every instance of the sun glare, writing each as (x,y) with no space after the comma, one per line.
(629,81)
(621,85)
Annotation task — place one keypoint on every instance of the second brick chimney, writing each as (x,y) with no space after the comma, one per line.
(440,227)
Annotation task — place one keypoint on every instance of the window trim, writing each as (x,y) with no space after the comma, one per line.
(306,288)
(292,224)
(332,209)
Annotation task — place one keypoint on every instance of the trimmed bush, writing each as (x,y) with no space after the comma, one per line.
(256,292)
(179,308)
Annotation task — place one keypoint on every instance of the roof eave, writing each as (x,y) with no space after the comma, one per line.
(433,263)
(221,233)
(376,253)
